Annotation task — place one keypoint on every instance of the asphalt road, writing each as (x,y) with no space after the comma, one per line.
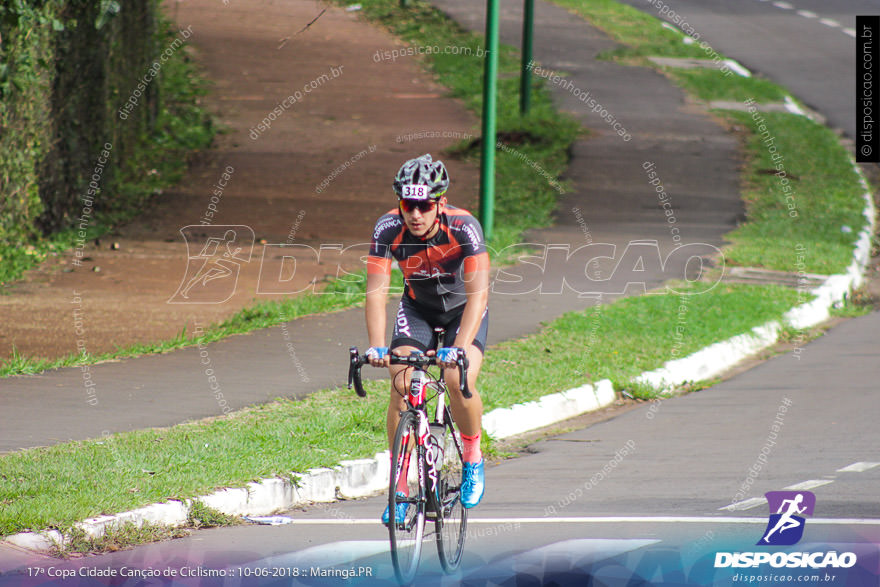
(806,45)
(642,496)
(697,467)
(612,207)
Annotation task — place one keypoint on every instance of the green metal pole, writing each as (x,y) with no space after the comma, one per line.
(525,80)
(490,83)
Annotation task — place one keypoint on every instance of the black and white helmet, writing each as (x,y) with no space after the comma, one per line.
(421,171)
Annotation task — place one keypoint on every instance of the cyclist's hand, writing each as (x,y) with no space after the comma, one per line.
(448,356)
(378,356)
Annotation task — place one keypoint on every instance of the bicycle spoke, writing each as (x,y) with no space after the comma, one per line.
(452,516)
(406,535)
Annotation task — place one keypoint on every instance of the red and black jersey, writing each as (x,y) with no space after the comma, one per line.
(433,269)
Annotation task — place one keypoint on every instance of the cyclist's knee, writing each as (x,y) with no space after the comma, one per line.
(397,399)
(454,386)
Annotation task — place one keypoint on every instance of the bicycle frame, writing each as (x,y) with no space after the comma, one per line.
(415,437)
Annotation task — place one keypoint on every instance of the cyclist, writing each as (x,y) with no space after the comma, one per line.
(442,254)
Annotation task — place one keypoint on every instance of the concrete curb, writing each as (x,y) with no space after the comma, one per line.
(717,358)
(359,478)
(506,422)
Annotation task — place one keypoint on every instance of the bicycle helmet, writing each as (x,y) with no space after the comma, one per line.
(421,171)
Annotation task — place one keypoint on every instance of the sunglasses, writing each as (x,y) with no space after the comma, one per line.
(409,206)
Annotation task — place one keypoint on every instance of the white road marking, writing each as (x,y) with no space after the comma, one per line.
(811,15)
(803,486)
(605,520)
(859,467)
(745,504)
(807,485)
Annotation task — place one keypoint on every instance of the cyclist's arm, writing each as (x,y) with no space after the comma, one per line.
(476,288)
(378,282)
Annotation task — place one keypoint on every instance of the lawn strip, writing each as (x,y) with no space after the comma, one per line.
(59,485)
(534,154)
(803,197)
(804,204)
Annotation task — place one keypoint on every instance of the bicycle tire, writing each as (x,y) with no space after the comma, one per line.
(451,514)
(406,537)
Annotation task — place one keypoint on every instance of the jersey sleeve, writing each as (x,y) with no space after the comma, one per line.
(384,234)
(476,258)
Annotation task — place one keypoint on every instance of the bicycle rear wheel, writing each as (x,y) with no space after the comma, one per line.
(452,516)
(406,534)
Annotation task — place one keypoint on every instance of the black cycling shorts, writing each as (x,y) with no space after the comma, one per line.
(414,327)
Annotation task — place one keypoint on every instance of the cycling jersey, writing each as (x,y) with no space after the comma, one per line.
(433,269)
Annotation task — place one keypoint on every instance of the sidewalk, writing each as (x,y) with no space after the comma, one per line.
(615,203)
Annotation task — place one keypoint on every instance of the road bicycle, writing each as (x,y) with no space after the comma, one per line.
(434,484)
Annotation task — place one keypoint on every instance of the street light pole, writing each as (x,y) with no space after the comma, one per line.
(525,80)
(490,77)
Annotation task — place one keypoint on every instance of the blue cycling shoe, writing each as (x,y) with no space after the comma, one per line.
(400,515)
(473,484)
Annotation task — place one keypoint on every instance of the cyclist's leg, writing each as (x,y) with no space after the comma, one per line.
(411,333)
(468,413)
(399,384)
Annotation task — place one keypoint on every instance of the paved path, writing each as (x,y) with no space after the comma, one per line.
(694,157)
(805,45)
(636,496)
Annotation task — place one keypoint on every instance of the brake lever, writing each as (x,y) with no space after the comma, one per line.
(463,363)
(354,372)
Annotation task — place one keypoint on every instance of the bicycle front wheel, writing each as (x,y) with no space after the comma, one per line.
(452,516)
(406,525)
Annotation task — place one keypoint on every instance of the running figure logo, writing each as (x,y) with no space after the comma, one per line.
(786,526)
(212,272)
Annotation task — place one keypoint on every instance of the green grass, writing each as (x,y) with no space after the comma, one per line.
(203,516)
(821,185)
(126,536)
(56,486)
(640,33)
(525,197)
(713,85)
(335,295)
(819,181)
(621,340)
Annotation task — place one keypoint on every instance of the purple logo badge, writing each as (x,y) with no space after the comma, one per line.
(786,524)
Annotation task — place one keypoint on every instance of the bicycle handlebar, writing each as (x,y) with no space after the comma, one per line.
(420,360)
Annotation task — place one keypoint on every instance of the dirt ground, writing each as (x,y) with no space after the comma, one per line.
(356,117)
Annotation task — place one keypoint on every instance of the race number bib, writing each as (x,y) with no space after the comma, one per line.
(418,192)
